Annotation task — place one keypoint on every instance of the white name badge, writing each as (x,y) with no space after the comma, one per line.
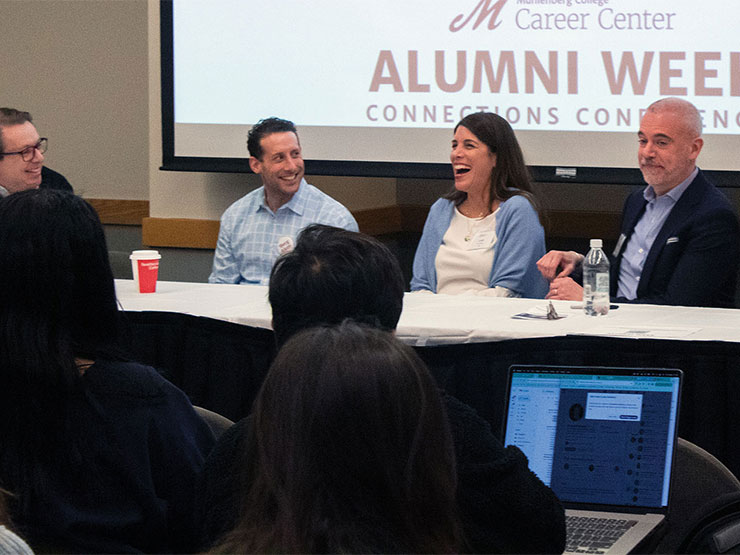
(285,244)
(482,239)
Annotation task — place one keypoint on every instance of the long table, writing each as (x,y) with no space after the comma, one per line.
(429,320)
(215,342)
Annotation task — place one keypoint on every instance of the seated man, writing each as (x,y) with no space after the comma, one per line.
(260,226)
(332,275)
(673,232)
(22,156)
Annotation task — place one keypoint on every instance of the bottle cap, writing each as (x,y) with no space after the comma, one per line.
(596,243)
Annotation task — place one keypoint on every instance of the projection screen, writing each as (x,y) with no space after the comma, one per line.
(376,88)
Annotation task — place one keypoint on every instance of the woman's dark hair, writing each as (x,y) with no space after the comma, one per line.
(510,176)
(349,451)
(57,303)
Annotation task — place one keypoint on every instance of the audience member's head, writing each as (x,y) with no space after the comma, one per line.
(333,274)
(669,143)
(351,451)
(57,305)
(21,152)
(57,276)
(509,174)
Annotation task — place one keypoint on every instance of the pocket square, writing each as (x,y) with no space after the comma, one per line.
(671,240)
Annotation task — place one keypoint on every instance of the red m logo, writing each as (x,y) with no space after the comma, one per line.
(484,9)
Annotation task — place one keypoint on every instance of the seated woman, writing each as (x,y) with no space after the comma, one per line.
(349,451)
(484,237)
(99,454)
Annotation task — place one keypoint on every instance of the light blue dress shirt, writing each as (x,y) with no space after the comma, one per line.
(643,236)
(252,236)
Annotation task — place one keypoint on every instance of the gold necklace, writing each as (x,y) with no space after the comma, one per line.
(472,223)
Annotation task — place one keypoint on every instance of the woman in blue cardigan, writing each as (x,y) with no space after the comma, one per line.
(484,237)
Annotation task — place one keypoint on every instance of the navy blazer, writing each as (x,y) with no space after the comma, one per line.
(694,259)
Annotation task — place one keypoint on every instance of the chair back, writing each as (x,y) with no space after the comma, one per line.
(701,487)
(716,528)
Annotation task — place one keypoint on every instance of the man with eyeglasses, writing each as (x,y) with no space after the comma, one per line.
(22,156)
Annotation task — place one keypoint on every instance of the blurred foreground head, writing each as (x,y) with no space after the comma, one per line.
(334,274)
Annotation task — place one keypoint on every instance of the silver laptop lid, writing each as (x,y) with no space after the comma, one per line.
(601,438)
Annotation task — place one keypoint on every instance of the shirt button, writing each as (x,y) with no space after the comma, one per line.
(641,251)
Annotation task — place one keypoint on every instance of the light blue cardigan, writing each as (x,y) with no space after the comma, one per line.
(520,243)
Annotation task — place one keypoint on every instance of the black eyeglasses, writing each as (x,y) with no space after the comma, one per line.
(29,152)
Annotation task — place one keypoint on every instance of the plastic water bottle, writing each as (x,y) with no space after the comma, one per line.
(596,280)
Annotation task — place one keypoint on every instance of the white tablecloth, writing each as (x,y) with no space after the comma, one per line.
(443,319)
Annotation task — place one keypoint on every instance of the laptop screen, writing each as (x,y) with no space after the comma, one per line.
(596,436)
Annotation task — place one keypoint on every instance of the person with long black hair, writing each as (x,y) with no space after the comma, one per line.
(350,451)
(99,454)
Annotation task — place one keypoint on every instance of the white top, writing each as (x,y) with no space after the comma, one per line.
(465,257)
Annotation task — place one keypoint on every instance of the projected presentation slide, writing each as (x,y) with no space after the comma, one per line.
(348,72)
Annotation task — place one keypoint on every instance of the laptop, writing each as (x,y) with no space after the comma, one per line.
(604,440)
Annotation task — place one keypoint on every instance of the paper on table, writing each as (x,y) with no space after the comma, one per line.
(661,332)
(540,312)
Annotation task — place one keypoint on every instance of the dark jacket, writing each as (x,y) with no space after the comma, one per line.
(143,447)
(694,259)
(54,180)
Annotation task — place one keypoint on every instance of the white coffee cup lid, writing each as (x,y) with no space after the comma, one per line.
(148,254)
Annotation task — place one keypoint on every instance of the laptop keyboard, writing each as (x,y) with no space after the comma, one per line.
(594,535)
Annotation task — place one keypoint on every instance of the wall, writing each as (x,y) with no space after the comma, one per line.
(79,67)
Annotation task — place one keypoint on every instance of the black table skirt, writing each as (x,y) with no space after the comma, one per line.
(221,366)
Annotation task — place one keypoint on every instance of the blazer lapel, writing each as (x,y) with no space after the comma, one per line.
(681,212)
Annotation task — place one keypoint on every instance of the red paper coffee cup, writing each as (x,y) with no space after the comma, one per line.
(145,265)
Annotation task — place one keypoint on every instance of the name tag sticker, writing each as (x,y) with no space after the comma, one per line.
(285,245)
(671,240)
(482,239)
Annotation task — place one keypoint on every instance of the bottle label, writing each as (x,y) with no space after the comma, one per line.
(602,283)
(601,293)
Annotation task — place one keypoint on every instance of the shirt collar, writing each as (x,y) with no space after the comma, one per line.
(296,204)
(3,192)
(675,193)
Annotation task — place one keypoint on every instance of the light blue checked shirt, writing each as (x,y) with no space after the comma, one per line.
(646,230)
(252,236)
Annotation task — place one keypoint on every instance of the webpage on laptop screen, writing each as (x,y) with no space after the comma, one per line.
(598,439)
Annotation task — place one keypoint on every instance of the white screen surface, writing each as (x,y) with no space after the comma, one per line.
(387,81)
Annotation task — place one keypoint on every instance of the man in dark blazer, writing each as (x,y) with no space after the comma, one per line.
(679,242)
